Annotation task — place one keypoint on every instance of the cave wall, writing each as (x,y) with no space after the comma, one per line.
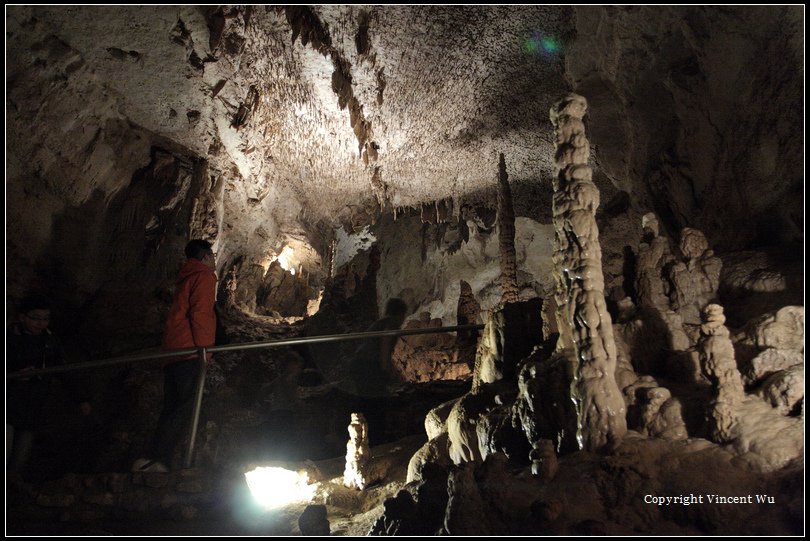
(426,271)
(694,112)
(113,163)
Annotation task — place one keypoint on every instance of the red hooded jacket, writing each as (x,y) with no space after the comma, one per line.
(192,322)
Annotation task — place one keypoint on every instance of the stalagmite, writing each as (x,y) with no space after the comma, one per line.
(718,364)
(653,255)
(506,236)
(231,286)
(544,460)
(466,512)
(583,320)
(695,278)
(358,453)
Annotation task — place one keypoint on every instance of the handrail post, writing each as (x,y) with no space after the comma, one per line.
(195,418)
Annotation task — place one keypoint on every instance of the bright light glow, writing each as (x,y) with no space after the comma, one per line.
(285,259)
(277,487)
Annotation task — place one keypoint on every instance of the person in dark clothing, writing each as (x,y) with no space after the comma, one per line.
(371,362)
(30,345)
(191,323)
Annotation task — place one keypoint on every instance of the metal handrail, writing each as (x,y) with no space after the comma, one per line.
(202,352)
(233,347)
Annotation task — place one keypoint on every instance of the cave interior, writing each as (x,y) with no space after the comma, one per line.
(615,193)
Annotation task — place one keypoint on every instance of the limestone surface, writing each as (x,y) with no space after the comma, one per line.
(582,317)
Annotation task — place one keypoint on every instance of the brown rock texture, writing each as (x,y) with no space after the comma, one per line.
(719,366)
(506,235)
(583,320)
(694,279)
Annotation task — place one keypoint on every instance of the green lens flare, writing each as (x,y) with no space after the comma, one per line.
(550,45)
(540,45)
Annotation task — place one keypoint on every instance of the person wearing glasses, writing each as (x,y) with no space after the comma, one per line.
(191,324)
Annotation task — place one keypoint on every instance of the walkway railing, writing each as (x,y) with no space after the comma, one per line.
(202,353)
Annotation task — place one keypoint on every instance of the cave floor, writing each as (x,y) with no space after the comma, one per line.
(611,491)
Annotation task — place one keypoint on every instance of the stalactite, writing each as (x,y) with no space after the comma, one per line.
(584,323)
(506,236)
(331,259)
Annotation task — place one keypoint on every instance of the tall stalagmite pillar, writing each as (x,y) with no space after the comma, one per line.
(582,317)
(718,365)
(506,236)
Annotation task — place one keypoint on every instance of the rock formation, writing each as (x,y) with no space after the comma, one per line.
(313,521)
(261,127)
(506,236)
(509,335)
(543,407)
(751,271)
(719,366)
(671,289)
(428,357)
(661,415)
(654,254)
(466,512)
(462,423)
(467,313)
(784,390)
(771,361)
(358,454)
(544,460)
(694,279)
(783,329)
(436,450)
(773,346)
(583,320)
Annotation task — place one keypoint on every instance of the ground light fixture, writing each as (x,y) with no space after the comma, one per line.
(275,487)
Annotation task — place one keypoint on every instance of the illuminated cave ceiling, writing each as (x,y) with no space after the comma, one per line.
(408,104)
(321,113)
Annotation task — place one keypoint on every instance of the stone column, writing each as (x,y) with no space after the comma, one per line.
(506,236)
(467,313)
(358,454)
(718,364)
(582,317)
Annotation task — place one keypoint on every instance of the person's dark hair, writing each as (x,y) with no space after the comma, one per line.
(34,301)
(396,307)
(197,249)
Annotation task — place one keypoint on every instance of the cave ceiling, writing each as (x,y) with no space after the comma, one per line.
(333,104)
(308,117)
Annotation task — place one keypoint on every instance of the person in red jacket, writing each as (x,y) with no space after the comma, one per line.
(191,324)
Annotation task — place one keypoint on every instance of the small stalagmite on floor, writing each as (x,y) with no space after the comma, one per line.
(358,453)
